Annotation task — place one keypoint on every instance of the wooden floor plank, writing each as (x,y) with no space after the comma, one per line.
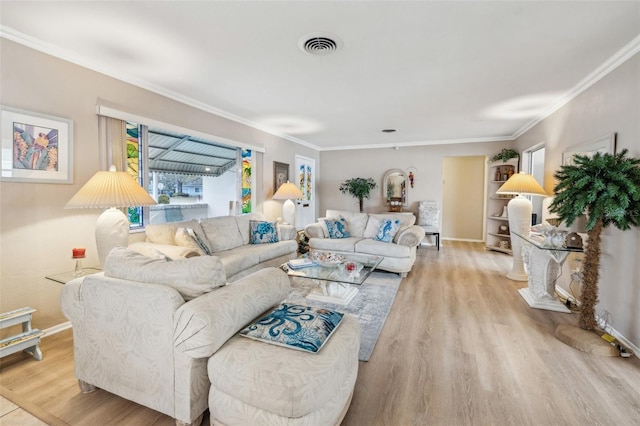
(460,347)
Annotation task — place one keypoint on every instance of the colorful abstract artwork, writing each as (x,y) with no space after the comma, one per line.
(304,181)
(36,147)
(246,180)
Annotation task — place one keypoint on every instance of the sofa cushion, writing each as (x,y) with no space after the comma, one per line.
(164,233)
(334,244)
(337,227)
(222,233)
(298,327)
(243,221)
(204,324)
(269,377)
(379,248)
(189,237)
(387,230)
(281,248)
(375,219)
(191,277)
(355,220)
(240,258)
(263,232)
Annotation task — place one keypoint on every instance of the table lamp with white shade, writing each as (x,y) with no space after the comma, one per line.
(110,190)
(519,211)
(288,192)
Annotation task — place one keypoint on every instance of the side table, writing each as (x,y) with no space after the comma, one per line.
(543,265)
(65,277)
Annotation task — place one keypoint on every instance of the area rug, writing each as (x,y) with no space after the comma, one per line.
(371,305)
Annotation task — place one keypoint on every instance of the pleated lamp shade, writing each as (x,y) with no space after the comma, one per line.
(521,183)
(288,192)
(109,190)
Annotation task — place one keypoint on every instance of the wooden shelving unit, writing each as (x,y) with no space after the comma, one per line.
(497,173)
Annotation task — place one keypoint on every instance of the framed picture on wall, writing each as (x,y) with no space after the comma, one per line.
(36,147)
(280,175)
(603,144)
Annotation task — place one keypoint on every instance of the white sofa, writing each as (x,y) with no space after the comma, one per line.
(227,237)
(399,255)
(146,328)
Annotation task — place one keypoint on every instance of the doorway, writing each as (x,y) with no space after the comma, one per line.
(463,198)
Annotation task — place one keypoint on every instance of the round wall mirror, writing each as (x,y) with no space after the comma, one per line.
(394,187)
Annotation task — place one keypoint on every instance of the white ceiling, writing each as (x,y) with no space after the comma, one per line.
(437,71)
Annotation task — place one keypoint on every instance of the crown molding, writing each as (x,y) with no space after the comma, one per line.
(50,49)
(620,57)
(611,64)
(422,143)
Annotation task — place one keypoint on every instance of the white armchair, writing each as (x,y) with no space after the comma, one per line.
(429,219)
(146,332)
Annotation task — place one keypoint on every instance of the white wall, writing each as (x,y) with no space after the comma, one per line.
(612,105)
(425,161)
(37,233)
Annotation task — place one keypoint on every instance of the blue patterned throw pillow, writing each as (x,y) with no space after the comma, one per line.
(337,228)
(263,232)
(388,229)
(295,326)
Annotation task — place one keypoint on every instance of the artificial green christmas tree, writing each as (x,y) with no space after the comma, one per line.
(605,187)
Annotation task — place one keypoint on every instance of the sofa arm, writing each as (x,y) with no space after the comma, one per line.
(287,232)
(204,324)
(314,230)
(70,300)
(173,252)
(411,236)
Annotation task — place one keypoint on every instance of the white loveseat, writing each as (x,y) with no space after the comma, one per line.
(227,237)
(399,255)
(147,328)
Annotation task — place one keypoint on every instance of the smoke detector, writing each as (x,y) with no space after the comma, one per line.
(319,44)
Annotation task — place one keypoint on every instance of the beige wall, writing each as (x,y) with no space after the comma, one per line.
(426,161)
(612,105)
(37,233)
(463,198)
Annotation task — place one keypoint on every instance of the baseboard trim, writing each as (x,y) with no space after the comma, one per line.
(56,329)
(466,240)
(602,323)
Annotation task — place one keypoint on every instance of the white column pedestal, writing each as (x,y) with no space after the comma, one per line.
(543,267)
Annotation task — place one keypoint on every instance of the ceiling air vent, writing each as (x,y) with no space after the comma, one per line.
(320,43)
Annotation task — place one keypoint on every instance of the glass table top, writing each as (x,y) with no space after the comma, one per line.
(364,266)
(538,241)
(65,277)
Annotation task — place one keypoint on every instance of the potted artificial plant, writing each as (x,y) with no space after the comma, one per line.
(359,188)
(505,154)
(605,187)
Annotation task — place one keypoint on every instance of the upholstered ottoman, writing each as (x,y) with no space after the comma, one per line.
(257,383)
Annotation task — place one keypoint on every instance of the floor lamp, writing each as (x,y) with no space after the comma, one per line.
(519,211)
(110,190)
(288,192)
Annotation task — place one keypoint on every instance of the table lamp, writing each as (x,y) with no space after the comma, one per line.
(288,191)
(110,190)
(519,211)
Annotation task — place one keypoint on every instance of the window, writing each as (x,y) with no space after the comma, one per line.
(189,177)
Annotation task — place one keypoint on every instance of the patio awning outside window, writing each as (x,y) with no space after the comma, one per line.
(176,153)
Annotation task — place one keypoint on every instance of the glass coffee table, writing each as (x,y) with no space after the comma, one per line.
(336,275)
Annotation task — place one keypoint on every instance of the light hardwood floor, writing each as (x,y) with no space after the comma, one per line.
(460,347)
